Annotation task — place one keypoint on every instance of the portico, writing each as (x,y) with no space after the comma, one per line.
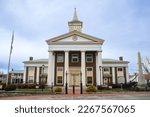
(74,65)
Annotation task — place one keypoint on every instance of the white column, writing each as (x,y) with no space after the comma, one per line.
(37,75)
(50,79)
(113,75)
(24,75)
(66,66)
(99,69)
(83,67)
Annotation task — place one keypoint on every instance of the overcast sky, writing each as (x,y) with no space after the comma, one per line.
(123,24)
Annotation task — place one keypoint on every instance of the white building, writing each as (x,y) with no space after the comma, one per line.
(76,57)
(16,76)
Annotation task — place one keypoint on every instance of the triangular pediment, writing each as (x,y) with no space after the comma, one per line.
(75,37)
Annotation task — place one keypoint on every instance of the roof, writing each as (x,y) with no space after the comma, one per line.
(147,76)
(37,61)
(104,60)
(17,71)
(108,60)
(55,40)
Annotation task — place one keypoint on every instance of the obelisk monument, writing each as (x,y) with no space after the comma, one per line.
(141,80)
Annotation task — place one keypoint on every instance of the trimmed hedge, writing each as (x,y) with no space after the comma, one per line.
(58,89)
(102,88)
(3,85)
(25,86)
(91,89)
(10,87)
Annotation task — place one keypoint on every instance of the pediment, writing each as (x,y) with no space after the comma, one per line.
(75,37)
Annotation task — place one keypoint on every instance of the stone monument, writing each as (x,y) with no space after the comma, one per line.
(141,80)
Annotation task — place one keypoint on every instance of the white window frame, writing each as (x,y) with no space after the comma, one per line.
(89,57)
(59,68)
(60,58)
(30,78)
(106,69)
(121,69)
(75,56)
(89,68)
(57,80)
(87,80)
(89,75)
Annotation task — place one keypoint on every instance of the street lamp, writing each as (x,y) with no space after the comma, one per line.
(81,87)
(66,85)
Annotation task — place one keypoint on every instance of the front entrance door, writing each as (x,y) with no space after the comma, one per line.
(74,77)
(74,80)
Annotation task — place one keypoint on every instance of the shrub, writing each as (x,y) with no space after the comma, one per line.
(91,89)
(10,87)
(116,85)
(3,85)
(25,86)
(31,86)
(58,89)
(99,87)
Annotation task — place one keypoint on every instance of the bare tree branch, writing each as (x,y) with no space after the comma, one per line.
(146,65)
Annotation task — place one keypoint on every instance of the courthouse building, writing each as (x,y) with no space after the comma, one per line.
(75,57)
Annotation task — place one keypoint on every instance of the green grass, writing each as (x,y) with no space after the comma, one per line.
(112,90)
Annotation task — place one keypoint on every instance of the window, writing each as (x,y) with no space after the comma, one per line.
(89,58)
(89,68)
(120,69)
(106,69)
(59,68)
(31,69)
(75,58)
(30,79)
(89,80)
(59,80)
(60,58)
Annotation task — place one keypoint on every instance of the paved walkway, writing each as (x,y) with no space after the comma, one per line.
(78,96)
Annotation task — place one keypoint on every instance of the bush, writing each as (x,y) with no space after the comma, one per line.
(58,89)
(116,86)
(25,86)
(102,88)
(91,89)
(10,87)
(31,86)
(3,85)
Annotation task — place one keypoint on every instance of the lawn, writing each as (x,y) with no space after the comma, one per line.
(113,90)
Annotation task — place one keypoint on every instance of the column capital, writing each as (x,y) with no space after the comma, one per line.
(50,51)
(66,50)
(83,50)
(99,51)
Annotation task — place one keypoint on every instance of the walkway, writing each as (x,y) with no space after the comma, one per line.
(78,96)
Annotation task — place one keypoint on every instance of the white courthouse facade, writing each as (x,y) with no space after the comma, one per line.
(75,57)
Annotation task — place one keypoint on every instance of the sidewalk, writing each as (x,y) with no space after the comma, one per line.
(70,95)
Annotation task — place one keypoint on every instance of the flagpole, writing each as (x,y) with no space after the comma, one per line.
(10,58)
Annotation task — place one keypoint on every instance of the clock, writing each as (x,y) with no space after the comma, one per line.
(74,38)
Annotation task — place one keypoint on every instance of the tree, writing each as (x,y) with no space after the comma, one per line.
(146,65)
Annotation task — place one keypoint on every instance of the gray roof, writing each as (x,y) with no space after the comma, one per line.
(107,60)
(37,61)
(17,71)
